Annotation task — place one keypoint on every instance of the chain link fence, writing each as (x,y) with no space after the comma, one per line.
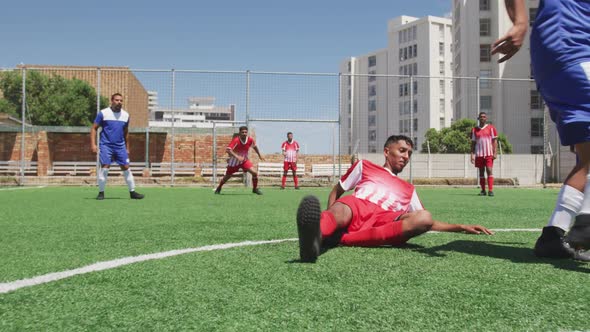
(182,120)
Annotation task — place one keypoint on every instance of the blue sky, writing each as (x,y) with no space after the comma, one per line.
(289,36)
(300,35)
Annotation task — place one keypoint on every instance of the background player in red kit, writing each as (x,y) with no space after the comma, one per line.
(484,151)
(238,158)
(290,149)
(383,210)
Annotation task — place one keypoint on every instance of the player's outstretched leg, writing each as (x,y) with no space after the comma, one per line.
(579,234)
(308,228)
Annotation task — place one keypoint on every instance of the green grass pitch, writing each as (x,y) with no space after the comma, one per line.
(439,282)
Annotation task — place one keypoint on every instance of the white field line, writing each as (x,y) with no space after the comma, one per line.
(20,188)
(107,265)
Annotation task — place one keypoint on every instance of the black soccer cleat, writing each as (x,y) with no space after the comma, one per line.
(551,244)
(579,235)
(282,188)
(491,193)
(135,195)
(257,191)
(482,193)
(100,196)
(296,188)
(308,228)
(217,191)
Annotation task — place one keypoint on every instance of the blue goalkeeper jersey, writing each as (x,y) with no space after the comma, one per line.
(113,126)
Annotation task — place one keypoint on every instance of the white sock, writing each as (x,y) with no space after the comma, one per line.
(569,202)
(586,203)
(103,173)
(129,179)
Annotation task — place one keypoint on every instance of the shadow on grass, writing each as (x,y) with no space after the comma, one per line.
(503,251)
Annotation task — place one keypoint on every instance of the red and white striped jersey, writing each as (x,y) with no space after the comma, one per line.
(378,185)
(240,148)
(290,151)
(483,138)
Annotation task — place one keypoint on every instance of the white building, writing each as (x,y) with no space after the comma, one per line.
(513,104)
(374,107)
(201,113)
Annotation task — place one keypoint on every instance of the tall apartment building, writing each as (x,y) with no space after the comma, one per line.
(374,107)
(513,104)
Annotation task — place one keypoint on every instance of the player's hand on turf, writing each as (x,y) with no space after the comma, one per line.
(510,43)
(476,229)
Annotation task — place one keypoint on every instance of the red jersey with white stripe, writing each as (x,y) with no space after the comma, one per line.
(240,148)
(378,185)
(290,151)
(483,138)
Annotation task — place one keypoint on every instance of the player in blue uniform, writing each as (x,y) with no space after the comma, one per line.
(114,144)
(560,57)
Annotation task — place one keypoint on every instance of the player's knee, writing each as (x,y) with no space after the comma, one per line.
(424,219)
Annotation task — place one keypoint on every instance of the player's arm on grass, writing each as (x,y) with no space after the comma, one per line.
(336,192)
(440,226)
(93,130)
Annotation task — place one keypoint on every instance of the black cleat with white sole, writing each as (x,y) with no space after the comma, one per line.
(308,228)
(135,195)
(579,235)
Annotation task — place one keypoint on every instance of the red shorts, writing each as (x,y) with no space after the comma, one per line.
(367,216)
(246,165)
(487,161)
(289,164)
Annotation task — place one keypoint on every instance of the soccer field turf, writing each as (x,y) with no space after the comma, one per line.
(440,281)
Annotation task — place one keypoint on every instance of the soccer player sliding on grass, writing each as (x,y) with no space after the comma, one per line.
(383,210)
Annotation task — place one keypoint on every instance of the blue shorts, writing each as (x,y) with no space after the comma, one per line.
(109,153)
(567,94)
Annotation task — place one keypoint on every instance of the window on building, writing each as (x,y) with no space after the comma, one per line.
(441,86)
(536,100)
(372,76)
(406,89)
(372,120)
(532,15)
(372,135)
(536,149)
(484,4)
(484,82)
(441,106)
(485,27)
(372,105)
(415,105)
(399,36)
(441,123)
(441,31)
(349,66)
(407,107)
(372,90)
(372,149)
(485,103)
(484,53)
(415,87)
(414,33)
(441,49)
(415,124)
(405,53)
(372,61)
(401,70)
(415,50)
(401,90)
(536,127)
(415,68)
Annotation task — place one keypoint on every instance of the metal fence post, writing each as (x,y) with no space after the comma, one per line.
(98,92)
(412,123)
(172,129)
(23,117)
(214,154)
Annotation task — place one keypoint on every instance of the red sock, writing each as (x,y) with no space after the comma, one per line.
(296,180)
(388,234)
(328,224)
(482,183)
(491,183)
(283,181)
(254,182)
